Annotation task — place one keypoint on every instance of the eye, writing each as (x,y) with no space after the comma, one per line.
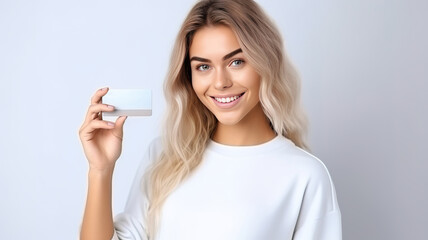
(236,63)
(202,67)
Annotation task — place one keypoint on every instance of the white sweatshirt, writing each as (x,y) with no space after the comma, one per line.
(271,191)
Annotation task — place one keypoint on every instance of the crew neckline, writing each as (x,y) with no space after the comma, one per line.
(263,148)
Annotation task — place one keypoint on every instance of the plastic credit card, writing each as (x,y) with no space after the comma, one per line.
(129,102)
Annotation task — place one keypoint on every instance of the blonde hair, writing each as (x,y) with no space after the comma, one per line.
(189,124)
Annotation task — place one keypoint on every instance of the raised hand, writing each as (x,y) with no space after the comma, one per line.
(101,140)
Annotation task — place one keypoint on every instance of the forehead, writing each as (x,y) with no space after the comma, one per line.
(213,42)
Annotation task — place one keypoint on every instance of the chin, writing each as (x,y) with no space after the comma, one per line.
(228,121)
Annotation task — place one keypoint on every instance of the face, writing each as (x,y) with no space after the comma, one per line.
(222,78)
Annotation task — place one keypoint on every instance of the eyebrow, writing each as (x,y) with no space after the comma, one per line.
(227,56)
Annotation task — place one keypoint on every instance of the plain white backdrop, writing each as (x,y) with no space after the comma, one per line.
(364,72)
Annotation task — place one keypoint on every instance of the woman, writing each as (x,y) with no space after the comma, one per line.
(230,163)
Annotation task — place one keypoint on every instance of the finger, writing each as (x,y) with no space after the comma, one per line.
(94,111)
(96,98)
(87,131)
(118,129)
(120,121)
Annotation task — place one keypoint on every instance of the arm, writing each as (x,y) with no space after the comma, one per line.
(102,144)
(98,218)
(319,216)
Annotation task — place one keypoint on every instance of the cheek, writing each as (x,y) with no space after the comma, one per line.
(199,87)
(200,91)
(249,79)
(255,79)
(256,84)
(195,85)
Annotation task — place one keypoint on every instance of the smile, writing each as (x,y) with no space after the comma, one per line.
(227,99)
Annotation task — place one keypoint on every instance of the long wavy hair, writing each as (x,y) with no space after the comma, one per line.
(189,125)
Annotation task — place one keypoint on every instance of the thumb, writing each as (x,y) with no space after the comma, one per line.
(118,128)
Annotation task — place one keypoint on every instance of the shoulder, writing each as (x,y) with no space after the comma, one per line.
(311,173)
(319,187)
(151,154)
(155,147)
(301,159)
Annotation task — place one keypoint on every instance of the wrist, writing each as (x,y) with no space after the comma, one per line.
(101,171)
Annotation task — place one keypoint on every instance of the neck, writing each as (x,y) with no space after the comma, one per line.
(253,129)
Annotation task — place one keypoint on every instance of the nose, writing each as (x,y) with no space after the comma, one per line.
(222,80)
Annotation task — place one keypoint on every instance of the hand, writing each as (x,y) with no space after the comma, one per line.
(101,140)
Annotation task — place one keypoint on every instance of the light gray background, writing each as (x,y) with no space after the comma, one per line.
(364,69)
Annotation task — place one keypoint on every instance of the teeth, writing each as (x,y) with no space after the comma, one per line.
(226,100)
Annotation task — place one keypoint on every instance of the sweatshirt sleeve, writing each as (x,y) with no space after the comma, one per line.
(319,216)
(131,224)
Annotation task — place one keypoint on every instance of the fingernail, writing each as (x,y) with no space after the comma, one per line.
(110,123)
(110,106)
(103,89)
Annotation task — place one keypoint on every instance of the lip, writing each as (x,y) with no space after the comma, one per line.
(227,105)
